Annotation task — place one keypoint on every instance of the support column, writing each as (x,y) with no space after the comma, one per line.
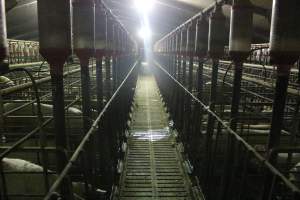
(55,52)
(284,52)
(84,48)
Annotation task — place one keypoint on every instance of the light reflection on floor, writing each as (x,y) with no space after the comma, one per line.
(152,135)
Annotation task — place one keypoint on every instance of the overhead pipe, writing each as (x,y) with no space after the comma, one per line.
(54,20)
(284,52)
(240,38)
(216,43)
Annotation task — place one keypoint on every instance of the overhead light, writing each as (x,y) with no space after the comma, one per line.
(144,33)
(143,6)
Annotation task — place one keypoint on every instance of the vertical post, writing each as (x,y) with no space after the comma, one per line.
(211,120)
(173,73)
(174,55)
(239,48)
(100,39)
(106,144)
(216,43)
(183,54)
(84,41)
(183,42)
(201,43)
(3,33)
(3,55)
(282,81)
(284,52)
(99,82)
(178,66)
(114,55)
(84,47)
(109,32)
(191,29)
(55,47)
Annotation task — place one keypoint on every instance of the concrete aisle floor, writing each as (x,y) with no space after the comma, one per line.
(153,168)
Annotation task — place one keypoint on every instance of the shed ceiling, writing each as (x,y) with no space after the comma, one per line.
(166,15)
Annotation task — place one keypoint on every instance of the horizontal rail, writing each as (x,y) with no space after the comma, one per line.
(17,88)
(32,133)
(264,83)
(11,66)
(33,101)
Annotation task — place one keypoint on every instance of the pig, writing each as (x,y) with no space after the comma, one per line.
(5,82)
(47,110)
(32,180)
(294,175)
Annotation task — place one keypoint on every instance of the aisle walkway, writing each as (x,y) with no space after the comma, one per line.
(153,168)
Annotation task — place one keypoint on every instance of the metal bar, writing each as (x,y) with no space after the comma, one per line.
(204,11)
(84,141)
(59,126)
(278,108)
(99,83)
(257,155)
(211,120)
(197,119)
(230,159)
(17,88)
(33,132)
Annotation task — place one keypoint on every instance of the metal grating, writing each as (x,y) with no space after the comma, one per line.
(153,167)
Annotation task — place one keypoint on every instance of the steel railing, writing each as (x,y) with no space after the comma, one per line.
(210,152)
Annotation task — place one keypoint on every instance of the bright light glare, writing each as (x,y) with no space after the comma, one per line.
(143,6)
(144,63)
(144,33)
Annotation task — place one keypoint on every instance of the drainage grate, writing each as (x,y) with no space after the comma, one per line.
(153,169)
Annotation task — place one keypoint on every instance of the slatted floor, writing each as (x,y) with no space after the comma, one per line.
(153,167)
